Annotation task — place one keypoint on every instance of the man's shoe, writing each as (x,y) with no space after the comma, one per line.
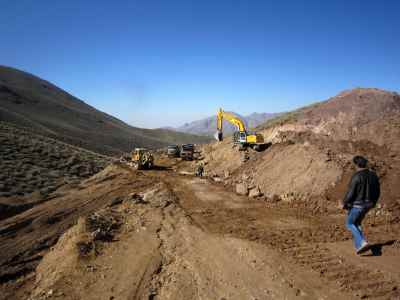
(364,247)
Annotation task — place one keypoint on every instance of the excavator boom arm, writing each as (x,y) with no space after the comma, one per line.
(230,118)
(221,115)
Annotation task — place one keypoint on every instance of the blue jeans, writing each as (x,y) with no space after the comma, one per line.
(353,223)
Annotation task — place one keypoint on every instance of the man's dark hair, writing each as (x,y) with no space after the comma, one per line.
(360,161)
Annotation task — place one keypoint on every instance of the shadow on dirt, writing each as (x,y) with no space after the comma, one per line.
(161,168)
(376,249)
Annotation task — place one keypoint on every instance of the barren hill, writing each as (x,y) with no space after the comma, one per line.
(34,103)
(363,113)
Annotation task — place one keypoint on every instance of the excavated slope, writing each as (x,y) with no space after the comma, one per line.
(312,148)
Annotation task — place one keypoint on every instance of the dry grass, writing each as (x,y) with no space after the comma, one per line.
(31,162)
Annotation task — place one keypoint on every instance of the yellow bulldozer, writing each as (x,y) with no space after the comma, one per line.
(140,159)
(241,137)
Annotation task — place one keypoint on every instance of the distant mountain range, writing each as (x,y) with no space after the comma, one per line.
(38,105)
(208,126)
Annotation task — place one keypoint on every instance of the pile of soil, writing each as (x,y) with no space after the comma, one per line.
(293,166)
(311,152)
(26,236)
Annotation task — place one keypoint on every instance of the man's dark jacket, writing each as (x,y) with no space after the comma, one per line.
(364,190)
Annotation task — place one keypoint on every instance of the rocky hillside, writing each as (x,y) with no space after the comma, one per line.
(31,102)
(358,114)
(208,125)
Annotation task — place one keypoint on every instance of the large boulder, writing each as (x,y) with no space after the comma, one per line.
(255,192)
(227,174)
(242,189)
(217,179)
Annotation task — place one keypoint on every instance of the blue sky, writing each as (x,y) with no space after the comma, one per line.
(164,63)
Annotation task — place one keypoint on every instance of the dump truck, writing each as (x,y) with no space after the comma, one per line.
(187,152)
(173,151)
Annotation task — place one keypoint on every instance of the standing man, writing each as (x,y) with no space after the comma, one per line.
(199,170)
(362,195)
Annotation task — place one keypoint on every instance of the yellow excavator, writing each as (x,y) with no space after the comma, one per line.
(242,137)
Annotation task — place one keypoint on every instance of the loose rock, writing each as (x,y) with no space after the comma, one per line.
(255,192)
(241,189)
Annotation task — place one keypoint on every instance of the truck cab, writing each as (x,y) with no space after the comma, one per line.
(173,151)
(187,152)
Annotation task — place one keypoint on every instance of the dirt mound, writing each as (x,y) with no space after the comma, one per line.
(25,237)
(289,167)
(304,165)
(293,168)
(312,148)
(63,258)
(91,251)
(74,248)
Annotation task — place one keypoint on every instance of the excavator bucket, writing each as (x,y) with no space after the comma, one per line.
(218,136)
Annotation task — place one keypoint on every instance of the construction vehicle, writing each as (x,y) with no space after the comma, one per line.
(241,137)
(187,152)
(140,159)
(173,151)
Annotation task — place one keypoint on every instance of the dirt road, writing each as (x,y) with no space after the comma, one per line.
(312,254)
(180,237)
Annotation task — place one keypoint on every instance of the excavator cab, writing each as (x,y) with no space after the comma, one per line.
(240,137)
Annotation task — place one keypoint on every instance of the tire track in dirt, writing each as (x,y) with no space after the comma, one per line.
(348,277)
(192,256)
(307,247)
(199,240)
(311,250)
